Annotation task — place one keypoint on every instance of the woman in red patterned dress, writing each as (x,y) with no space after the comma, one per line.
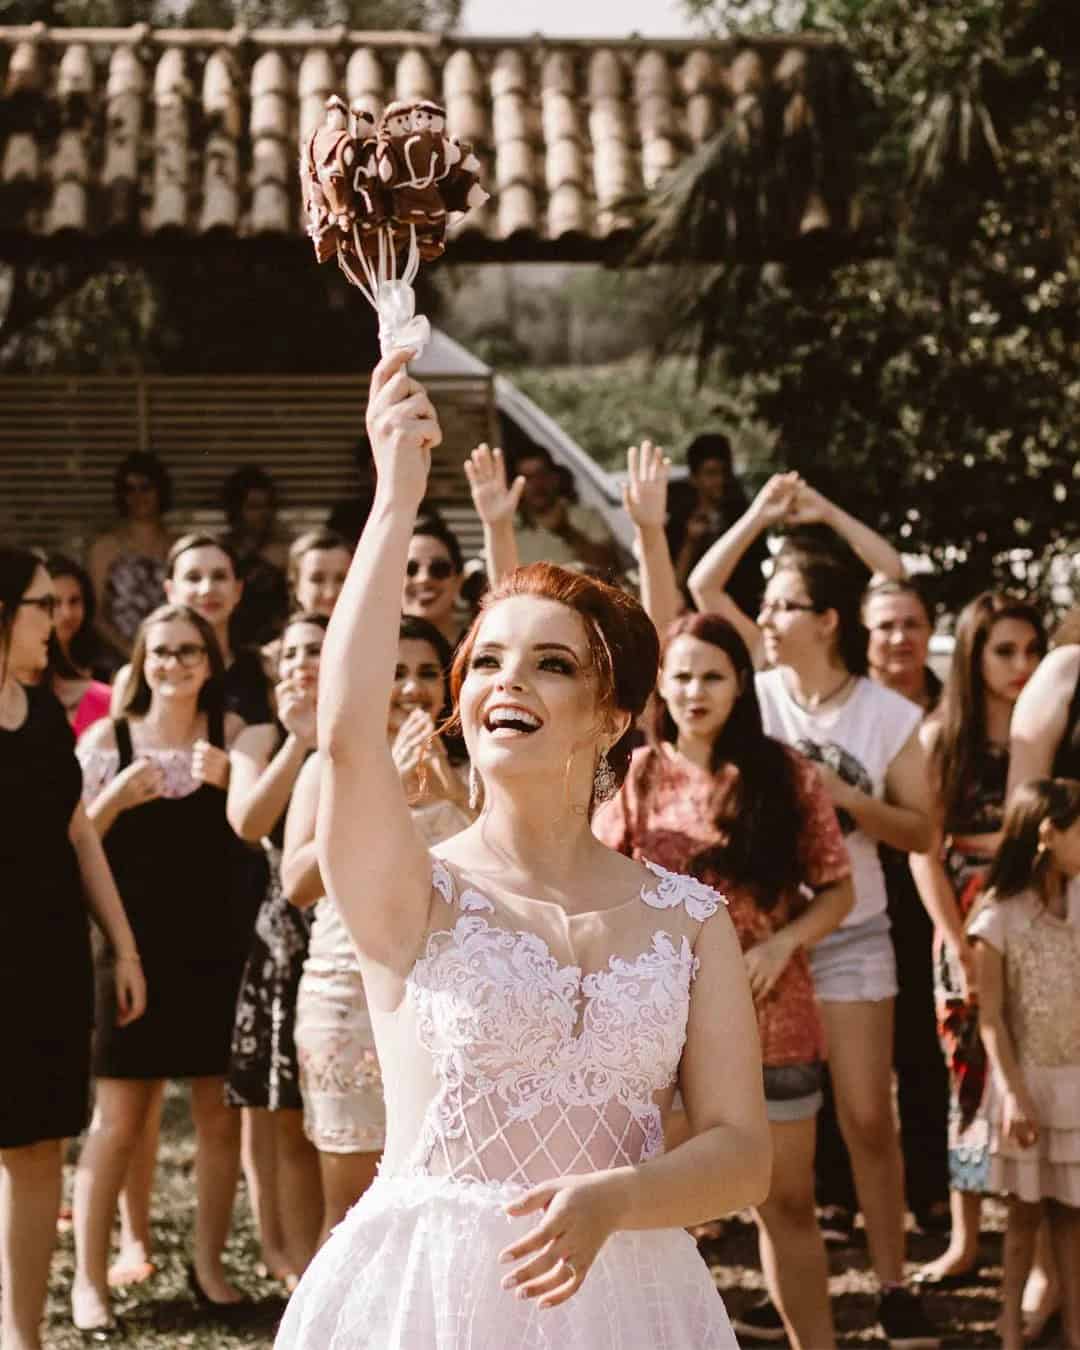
(713,796)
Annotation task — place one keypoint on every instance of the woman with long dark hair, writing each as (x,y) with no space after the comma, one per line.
(999,642)
(535,996)
(713,796)
(73,647)
(264,1076)
(52,874)
(434,574)
(344,1111)
(155,782)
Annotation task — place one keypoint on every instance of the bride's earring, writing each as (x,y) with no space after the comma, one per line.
(603,780)
(474,788)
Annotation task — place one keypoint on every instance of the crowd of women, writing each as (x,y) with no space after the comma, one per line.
(383,913)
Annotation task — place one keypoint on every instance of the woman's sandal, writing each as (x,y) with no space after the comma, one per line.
(121,1276)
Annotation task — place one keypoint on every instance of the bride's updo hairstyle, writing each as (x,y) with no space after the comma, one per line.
(623,645)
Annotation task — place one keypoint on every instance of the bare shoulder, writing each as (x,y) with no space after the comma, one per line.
(100,735)
(930,732)
(234,727)
(258,741)
(106,545)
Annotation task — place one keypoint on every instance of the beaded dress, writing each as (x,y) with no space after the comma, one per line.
(1041,956)
(529,1044)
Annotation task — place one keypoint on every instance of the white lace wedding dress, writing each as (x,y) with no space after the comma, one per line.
(504,1066)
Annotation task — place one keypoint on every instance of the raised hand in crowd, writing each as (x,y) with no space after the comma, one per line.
(776,501)
(493,499)
(785,501)
(645,491)
(810,507)
(496,504)
(644,495)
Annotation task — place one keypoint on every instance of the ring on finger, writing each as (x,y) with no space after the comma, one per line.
(568,1265)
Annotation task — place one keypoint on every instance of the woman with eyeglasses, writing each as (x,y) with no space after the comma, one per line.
(344,1113)
(203,573)
(127,561)
(263,1075)
(52,873)
(155,781)
(434,573)
(73,647)
(864,740)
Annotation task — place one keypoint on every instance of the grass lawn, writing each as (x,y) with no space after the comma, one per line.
(162,1315)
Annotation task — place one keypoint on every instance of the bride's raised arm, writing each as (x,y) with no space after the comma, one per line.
(372,860)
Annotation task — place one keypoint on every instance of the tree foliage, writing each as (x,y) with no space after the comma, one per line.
(929,379)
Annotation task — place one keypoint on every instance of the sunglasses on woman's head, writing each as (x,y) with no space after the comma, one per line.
(439,569)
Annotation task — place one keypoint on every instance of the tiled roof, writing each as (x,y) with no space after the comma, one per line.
(124,136)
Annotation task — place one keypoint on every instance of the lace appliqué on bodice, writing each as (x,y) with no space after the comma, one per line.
(544,1070)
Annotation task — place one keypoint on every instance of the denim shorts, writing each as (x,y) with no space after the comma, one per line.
(856,964)
(792,1091)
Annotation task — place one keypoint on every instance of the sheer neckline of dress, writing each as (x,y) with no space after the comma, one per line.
(669,890)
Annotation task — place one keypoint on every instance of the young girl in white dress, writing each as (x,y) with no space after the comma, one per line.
(536,997)
(1027,931)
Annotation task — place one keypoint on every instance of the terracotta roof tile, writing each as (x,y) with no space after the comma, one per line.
(195,133)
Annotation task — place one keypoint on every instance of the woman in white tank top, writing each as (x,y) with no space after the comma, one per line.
(863,737)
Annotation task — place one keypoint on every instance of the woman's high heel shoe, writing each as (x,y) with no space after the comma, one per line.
(239,1308)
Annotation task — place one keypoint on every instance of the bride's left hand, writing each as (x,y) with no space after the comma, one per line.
(579,1215)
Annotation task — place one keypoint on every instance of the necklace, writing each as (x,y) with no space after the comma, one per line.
(818,704)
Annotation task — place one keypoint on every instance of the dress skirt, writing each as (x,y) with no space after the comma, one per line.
(263,1070)
(415,1264)
(186,1030)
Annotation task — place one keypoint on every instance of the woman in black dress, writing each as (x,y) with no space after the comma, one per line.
(52,869)
(263,1073)
(203,573)
(155,782)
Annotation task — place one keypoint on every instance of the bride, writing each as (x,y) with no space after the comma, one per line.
(536,997)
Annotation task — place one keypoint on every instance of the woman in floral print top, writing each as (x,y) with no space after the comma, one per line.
(714,797)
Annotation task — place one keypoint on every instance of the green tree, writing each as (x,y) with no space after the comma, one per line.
(924,369)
